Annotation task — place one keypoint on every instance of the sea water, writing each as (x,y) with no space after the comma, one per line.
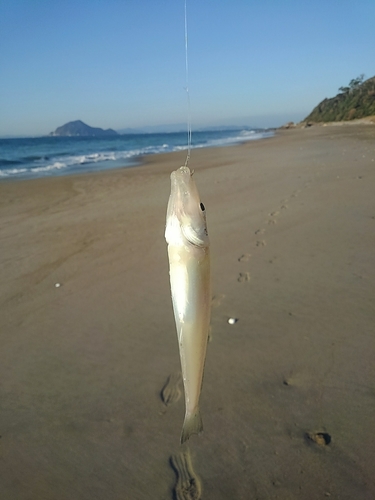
(46,156)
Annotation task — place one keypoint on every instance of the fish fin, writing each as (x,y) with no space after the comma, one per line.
(192,425)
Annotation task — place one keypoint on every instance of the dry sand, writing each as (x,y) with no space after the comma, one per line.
(289,391)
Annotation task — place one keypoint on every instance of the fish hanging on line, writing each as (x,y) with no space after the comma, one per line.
(189,271)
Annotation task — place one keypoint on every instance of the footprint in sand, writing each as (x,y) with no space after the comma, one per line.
(260,231)
(245,257)
(260,243)
(320,438)
(284,207)
(171,391)
(274,214)
(242,277)
(271,221)
(217,300)
(188,486)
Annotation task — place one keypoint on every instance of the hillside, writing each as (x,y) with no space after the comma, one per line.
(80,129)
(353,102)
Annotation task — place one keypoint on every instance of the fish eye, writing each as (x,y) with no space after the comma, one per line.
(202,207)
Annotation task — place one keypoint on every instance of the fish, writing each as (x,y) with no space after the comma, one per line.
(189,271)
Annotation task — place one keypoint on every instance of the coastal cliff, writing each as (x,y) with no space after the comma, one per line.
(357,100)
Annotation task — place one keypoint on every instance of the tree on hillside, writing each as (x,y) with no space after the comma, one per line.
(353,84)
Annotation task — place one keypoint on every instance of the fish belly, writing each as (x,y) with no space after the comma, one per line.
(191,296)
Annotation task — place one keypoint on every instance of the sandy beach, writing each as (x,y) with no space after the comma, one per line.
(288,399)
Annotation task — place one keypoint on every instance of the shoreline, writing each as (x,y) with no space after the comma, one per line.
(316,129)
(288,392)
(143,160)
(77,155)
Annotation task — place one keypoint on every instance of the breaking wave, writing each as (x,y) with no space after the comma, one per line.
(42,156)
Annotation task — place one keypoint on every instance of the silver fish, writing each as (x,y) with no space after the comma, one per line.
(189,271)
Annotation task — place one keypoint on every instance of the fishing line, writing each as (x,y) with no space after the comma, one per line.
(187,90)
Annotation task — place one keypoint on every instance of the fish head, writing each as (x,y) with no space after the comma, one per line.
(186,215)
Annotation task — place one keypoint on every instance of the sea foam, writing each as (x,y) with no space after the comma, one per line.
(61,155)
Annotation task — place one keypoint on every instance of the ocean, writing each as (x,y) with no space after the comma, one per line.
(46,156)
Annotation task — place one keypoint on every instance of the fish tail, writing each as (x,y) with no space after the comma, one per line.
(192,425)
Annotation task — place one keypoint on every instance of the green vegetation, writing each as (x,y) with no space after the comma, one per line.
(357,100)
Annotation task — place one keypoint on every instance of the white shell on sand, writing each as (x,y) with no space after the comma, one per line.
(57,285)
(232,321)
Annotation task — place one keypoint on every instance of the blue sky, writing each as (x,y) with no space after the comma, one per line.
(121,63)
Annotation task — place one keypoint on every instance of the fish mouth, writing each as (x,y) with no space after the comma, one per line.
(185,208)
(181,182)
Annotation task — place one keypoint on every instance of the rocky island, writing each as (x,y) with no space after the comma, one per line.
(79,129)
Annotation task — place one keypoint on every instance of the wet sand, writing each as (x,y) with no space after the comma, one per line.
(91,402)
